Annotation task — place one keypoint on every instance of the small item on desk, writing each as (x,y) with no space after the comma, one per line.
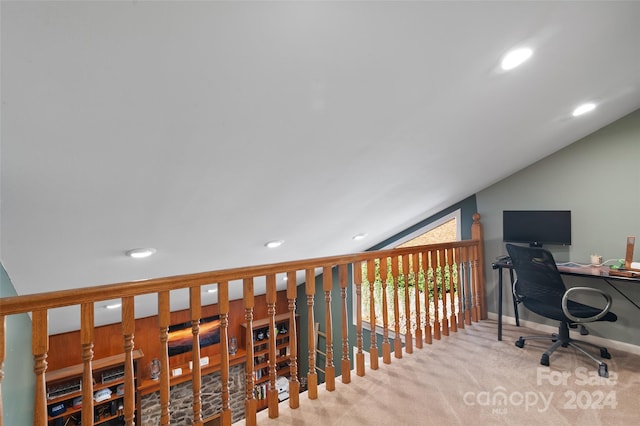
(596,260)
(622,272)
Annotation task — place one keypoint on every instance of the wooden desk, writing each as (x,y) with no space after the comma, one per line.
(598,272)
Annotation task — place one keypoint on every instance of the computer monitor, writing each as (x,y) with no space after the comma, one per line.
(537,227)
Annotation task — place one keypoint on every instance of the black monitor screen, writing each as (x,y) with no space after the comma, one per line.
(537,227)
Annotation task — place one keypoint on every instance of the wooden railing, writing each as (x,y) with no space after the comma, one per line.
(461,301)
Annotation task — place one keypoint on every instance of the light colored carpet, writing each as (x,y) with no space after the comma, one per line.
(470,378)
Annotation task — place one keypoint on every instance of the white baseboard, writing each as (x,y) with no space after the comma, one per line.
(544,328)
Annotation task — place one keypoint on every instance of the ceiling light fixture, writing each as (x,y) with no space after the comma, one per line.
(274,244)
(141,253)
(583,109)
(515,58)
(212,290)
(361,236)
(113,306)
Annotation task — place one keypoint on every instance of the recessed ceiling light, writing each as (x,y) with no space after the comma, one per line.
(583,109)
(274,244)
(360,236)
(515,58)
(141,253)
(113,306)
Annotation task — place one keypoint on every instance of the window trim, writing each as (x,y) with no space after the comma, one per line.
(456,214)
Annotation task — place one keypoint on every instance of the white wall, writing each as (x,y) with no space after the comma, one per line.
(598,179)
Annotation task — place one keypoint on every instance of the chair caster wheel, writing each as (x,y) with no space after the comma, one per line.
(583,331)
(520,343)
(545,360)
(604,353)
(603,370)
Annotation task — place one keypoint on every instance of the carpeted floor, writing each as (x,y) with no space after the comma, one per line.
(470,378)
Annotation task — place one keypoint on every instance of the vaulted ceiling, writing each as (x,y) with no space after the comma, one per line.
(206,129)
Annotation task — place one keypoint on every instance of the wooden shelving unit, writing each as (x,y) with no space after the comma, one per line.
(68,383)
(261,353)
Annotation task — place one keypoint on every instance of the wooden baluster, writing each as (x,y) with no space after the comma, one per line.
(448,256)
(436,302)
(39,348)
(386,346)
(476,313)
(397,342)
(416,288)
(312,375)
(460,266)
(195,304)
(451,262)
(373,349)
(250,403)
(223,305)
(272,391)
(408,337)
(164,320)
(467,287)
(86,341)
(346,365)
(128,330)
(3,354)
(427,298)
(357,278)
(294,383)
(444,267)
(329,369)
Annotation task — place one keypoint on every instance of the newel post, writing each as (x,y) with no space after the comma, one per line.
(477,235)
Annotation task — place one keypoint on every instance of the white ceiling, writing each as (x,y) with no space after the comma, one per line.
(205,129)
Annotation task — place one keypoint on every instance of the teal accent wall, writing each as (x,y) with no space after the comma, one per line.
(18,385)
(598,179)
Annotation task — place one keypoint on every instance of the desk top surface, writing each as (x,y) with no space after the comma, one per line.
(583,271)
(595,271)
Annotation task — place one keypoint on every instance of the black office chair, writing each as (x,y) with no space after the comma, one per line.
(539,287)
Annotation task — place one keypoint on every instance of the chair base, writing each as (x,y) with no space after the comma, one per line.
(562,339)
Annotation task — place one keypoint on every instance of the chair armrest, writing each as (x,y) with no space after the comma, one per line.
(596,317)
(514,291)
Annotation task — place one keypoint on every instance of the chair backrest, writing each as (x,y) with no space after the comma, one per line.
(537,276)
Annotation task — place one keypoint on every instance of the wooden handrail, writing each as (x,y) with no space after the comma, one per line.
(61,298)
(456,302)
